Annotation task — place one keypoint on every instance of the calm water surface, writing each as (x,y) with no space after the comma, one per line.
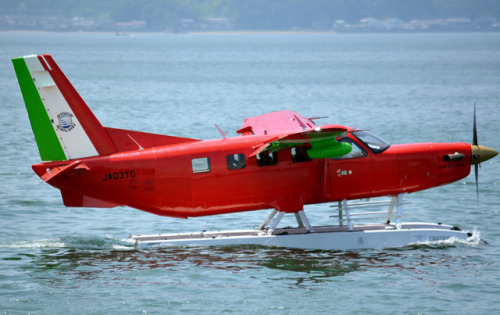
(405,88)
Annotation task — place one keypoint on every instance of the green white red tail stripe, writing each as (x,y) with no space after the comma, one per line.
(63,125)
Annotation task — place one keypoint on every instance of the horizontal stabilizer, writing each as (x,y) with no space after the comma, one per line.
(57,171)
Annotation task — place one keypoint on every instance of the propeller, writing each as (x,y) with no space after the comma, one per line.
(474,142)
(479,153)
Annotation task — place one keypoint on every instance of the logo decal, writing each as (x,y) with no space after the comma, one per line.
(343,172)
(65,122)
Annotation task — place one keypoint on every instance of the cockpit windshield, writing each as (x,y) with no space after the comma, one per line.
(375,143)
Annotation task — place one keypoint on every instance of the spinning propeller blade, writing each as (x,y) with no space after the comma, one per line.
(474,129)
(479,153)
(476,172)
(474,142)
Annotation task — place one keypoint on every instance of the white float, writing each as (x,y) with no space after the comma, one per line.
(344,236)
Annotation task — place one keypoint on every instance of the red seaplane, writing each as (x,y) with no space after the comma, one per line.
(281,161)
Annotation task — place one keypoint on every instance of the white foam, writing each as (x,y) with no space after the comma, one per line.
(44,243)
(122,247)
(473,240)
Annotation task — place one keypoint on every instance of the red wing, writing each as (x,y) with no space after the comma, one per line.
(276,123)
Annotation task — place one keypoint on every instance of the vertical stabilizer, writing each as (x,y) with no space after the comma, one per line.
(63,125)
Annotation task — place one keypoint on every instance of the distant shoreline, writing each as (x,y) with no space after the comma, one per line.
(125,33)
(170,33)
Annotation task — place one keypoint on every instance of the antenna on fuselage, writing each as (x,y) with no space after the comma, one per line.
(221,132)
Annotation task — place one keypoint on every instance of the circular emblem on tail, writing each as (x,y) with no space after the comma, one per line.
(65,122)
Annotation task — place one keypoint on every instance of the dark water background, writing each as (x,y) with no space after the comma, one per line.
(403,87)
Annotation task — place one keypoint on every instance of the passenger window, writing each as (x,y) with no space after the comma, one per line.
(299,154)
(201,165)
(236,161)
(356,151)
(267,158)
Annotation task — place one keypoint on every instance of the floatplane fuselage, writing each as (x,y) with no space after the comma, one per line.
(281,160)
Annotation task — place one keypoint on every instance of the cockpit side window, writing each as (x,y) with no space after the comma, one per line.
(375,143)
(356,151)
(267,158)
(299,154)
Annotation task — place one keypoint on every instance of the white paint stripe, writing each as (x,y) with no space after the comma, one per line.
(74,141)
(44,79)
(33,63)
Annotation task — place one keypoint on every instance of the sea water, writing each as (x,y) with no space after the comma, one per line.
(403,87)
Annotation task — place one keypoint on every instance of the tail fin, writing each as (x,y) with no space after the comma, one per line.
(63,125)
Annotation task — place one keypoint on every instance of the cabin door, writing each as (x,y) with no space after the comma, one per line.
(349,176)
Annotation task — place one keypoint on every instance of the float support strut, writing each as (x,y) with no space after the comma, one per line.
(347,214)
(275,223)
(399,215)
(268,219)
(303,221)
